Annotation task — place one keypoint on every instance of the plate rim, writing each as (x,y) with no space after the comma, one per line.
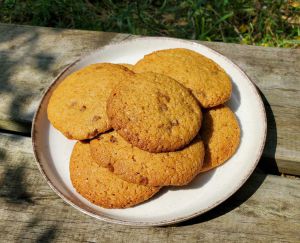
(141,223)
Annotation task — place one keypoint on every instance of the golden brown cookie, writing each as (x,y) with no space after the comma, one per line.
(154,112)
(153,169)
(100,186)
(207,80)
(221,136)
(77,107)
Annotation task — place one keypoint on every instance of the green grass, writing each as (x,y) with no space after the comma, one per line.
(266,23)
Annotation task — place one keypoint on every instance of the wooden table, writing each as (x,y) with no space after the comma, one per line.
(266,208)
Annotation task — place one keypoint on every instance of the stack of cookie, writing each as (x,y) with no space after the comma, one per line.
(158,123)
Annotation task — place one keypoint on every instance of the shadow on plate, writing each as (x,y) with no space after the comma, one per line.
(242,195)
(235,99)
(198,182)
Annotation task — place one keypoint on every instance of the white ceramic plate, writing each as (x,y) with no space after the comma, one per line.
(171,205)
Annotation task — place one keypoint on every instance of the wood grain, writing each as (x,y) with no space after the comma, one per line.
(30,57)
(266,208)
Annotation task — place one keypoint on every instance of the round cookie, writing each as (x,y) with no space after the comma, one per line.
(206,79)
(100,186)
(77,107)
(221,136)
(154,112)
(152,169)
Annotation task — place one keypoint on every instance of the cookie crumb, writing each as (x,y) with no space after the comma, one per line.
(113,139)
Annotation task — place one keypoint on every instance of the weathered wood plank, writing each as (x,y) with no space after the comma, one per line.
(265,209)
(31,56)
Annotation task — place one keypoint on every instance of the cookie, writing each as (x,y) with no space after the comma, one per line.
(100,186)
(77,107)
(154,112)
(152,169)
(221,136)
(206,79)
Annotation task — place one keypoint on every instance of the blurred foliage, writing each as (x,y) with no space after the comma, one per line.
(266,22)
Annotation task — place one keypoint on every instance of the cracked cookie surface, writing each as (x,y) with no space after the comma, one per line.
(132,164)
(221,135)
(206,79)
(100,186)
(154,112)
(77,107)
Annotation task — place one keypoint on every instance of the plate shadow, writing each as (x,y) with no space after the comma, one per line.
(241,196)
